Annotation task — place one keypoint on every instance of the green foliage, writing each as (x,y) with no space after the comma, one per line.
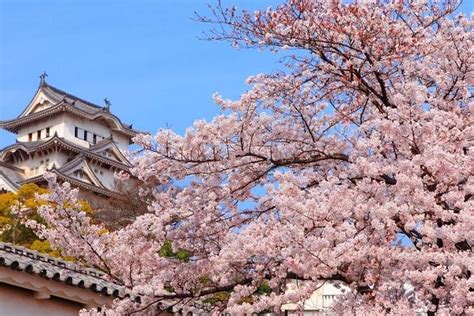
(264,289)
(18,234)
(166,251)
(28,192)
(45,247)
(24,201)
(182,255)
(216,298)
(6,202)
(223,297)
(205,280)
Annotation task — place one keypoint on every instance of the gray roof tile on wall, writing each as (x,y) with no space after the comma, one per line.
(30,261)
(11,173)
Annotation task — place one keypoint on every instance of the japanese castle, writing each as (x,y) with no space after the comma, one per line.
(81,142)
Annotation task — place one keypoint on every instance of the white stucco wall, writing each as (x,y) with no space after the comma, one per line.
(58,159)
(319,302)
(56,124)
(106,176)
(37,165)
(92,127)
(121,140)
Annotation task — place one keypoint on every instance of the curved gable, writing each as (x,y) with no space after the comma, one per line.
(42,100)
(109,149)
(79,168)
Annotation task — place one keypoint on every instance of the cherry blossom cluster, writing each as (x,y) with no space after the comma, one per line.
(353,165)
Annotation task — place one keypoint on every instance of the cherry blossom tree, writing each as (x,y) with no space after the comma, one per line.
(352,165)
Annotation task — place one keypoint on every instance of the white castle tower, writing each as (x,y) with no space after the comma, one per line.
(82,143)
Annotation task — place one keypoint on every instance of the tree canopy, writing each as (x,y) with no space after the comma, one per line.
(18,207)
(15,206)
(353,164)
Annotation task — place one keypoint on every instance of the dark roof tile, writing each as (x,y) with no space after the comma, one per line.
(30,261)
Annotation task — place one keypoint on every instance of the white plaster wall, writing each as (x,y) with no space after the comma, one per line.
(58,159)
(92,127)
(42,104)
(64,124)
(15,301)
(121,140)
(316,304)
(55,123)
(107,177)
(32,163)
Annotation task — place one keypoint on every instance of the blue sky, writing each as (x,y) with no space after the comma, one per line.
(144,55)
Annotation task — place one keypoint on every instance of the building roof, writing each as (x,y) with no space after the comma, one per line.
(32,262)
(92,153)
(12,173)
(15,177)
(61,101)
(101,189)
(80,103)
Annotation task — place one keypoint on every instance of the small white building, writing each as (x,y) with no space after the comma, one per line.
(319,303)
(81,142)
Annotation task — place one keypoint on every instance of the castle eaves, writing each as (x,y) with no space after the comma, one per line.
(65,102)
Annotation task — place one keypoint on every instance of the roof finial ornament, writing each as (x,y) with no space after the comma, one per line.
(43,78)
(107,104)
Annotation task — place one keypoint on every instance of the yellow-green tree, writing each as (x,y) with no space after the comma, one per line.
(15,206)
(21,205)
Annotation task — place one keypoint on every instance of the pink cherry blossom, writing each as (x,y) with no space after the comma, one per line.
(353,165)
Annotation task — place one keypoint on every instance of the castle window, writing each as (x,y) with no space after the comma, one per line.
(30,137)
(80,133)
(87,135)
(107,153)
(47,131)
(38,134)
(328,300)
(79,174)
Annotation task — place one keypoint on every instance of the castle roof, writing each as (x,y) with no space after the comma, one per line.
(63,174)
(11,175)
(49,100)
(15,176)
(92,153)
(71,158)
